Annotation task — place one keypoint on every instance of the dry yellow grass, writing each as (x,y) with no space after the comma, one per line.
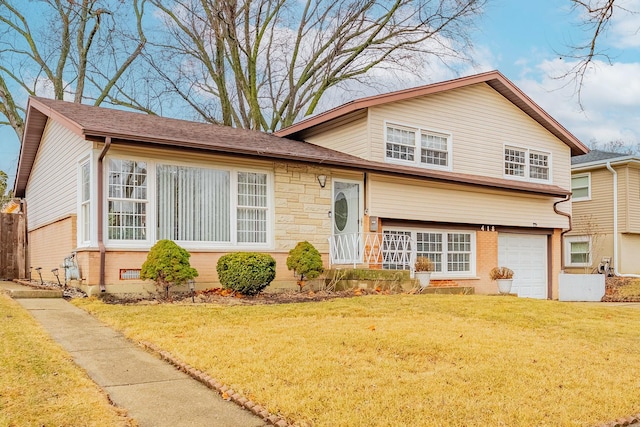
(39,384)
(409,360)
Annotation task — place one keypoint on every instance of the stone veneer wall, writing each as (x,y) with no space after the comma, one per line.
(301,207)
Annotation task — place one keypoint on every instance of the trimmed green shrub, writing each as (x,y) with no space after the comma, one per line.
(246,272)
(168,265)
(305,261)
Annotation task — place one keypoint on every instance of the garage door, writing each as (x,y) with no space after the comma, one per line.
(526,255)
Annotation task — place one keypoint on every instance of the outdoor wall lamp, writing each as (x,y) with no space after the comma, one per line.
(192,288)
(322,180)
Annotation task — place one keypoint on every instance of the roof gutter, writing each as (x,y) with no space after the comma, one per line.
(616,271)
(107,145)
(555,209)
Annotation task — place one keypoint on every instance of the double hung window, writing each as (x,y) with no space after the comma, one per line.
(578,251)
(581,187)
(417,146)
(127,200)
(526,164)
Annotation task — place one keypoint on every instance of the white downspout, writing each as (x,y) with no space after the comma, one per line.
(615,224)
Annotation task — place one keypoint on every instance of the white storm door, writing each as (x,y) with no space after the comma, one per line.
(347,239)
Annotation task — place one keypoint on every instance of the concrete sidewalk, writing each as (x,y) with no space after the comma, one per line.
(154,392)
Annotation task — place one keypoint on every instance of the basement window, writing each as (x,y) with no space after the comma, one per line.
(129,273)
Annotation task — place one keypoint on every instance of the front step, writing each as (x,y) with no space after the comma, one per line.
(21,290)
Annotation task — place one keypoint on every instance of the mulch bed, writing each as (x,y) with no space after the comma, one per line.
(613,290)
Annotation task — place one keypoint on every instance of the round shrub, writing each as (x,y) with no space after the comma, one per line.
(305,261)
(246,272)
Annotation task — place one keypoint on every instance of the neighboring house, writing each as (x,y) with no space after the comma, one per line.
(469,172)
(606,213)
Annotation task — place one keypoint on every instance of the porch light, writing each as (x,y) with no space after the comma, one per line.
(192,288)
(322,180)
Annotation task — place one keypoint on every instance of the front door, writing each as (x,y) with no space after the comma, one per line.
(347,239)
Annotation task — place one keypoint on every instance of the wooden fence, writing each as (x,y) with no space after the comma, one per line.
(13,246)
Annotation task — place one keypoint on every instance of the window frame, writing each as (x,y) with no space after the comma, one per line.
(527,166)
(578,239)
(444,233)
(84,215)
(417,147)
(152,205)
(588,196)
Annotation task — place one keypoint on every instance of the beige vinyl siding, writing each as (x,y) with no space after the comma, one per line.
(632,199)
(481,122)
(595,215)
(411,199)
(52,187)
(348,135)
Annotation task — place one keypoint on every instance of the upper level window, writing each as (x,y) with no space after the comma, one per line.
(418,146)
(127,200)
(526,164)
(581,187)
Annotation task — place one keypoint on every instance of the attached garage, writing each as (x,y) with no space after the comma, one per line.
(526,255)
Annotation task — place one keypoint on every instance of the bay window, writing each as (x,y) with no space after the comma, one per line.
(199,206)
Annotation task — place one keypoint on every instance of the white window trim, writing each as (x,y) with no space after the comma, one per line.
(86,242)
(192,245)
(580,175)
(527,167)
(567,252)
(438,274)
(418,146)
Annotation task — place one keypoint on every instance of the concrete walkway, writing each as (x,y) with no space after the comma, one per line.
(152,391)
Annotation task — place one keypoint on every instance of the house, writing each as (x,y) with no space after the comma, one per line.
(606,214)
(469,172)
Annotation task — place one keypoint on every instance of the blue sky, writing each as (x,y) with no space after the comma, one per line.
(526,41)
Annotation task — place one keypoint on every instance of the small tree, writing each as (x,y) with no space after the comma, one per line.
(168,265)
(305,261)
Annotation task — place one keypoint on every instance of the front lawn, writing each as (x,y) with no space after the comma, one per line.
(39,383)
(408,360)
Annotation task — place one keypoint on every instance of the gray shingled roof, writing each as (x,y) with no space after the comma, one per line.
(124,127)
(595,156)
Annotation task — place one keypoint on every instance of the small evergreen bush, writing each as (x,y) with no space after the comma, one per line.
(168,265)
(305,261)
(246,272)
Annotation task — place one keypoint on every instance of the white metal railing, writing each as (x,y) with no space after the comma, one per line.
(388,251)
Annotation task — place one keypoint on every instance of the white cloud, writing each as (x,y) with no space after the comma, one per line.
(625,24)
(610,98)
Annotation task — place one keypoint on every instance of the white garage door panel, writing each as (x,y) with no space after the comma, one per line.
(526,255)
